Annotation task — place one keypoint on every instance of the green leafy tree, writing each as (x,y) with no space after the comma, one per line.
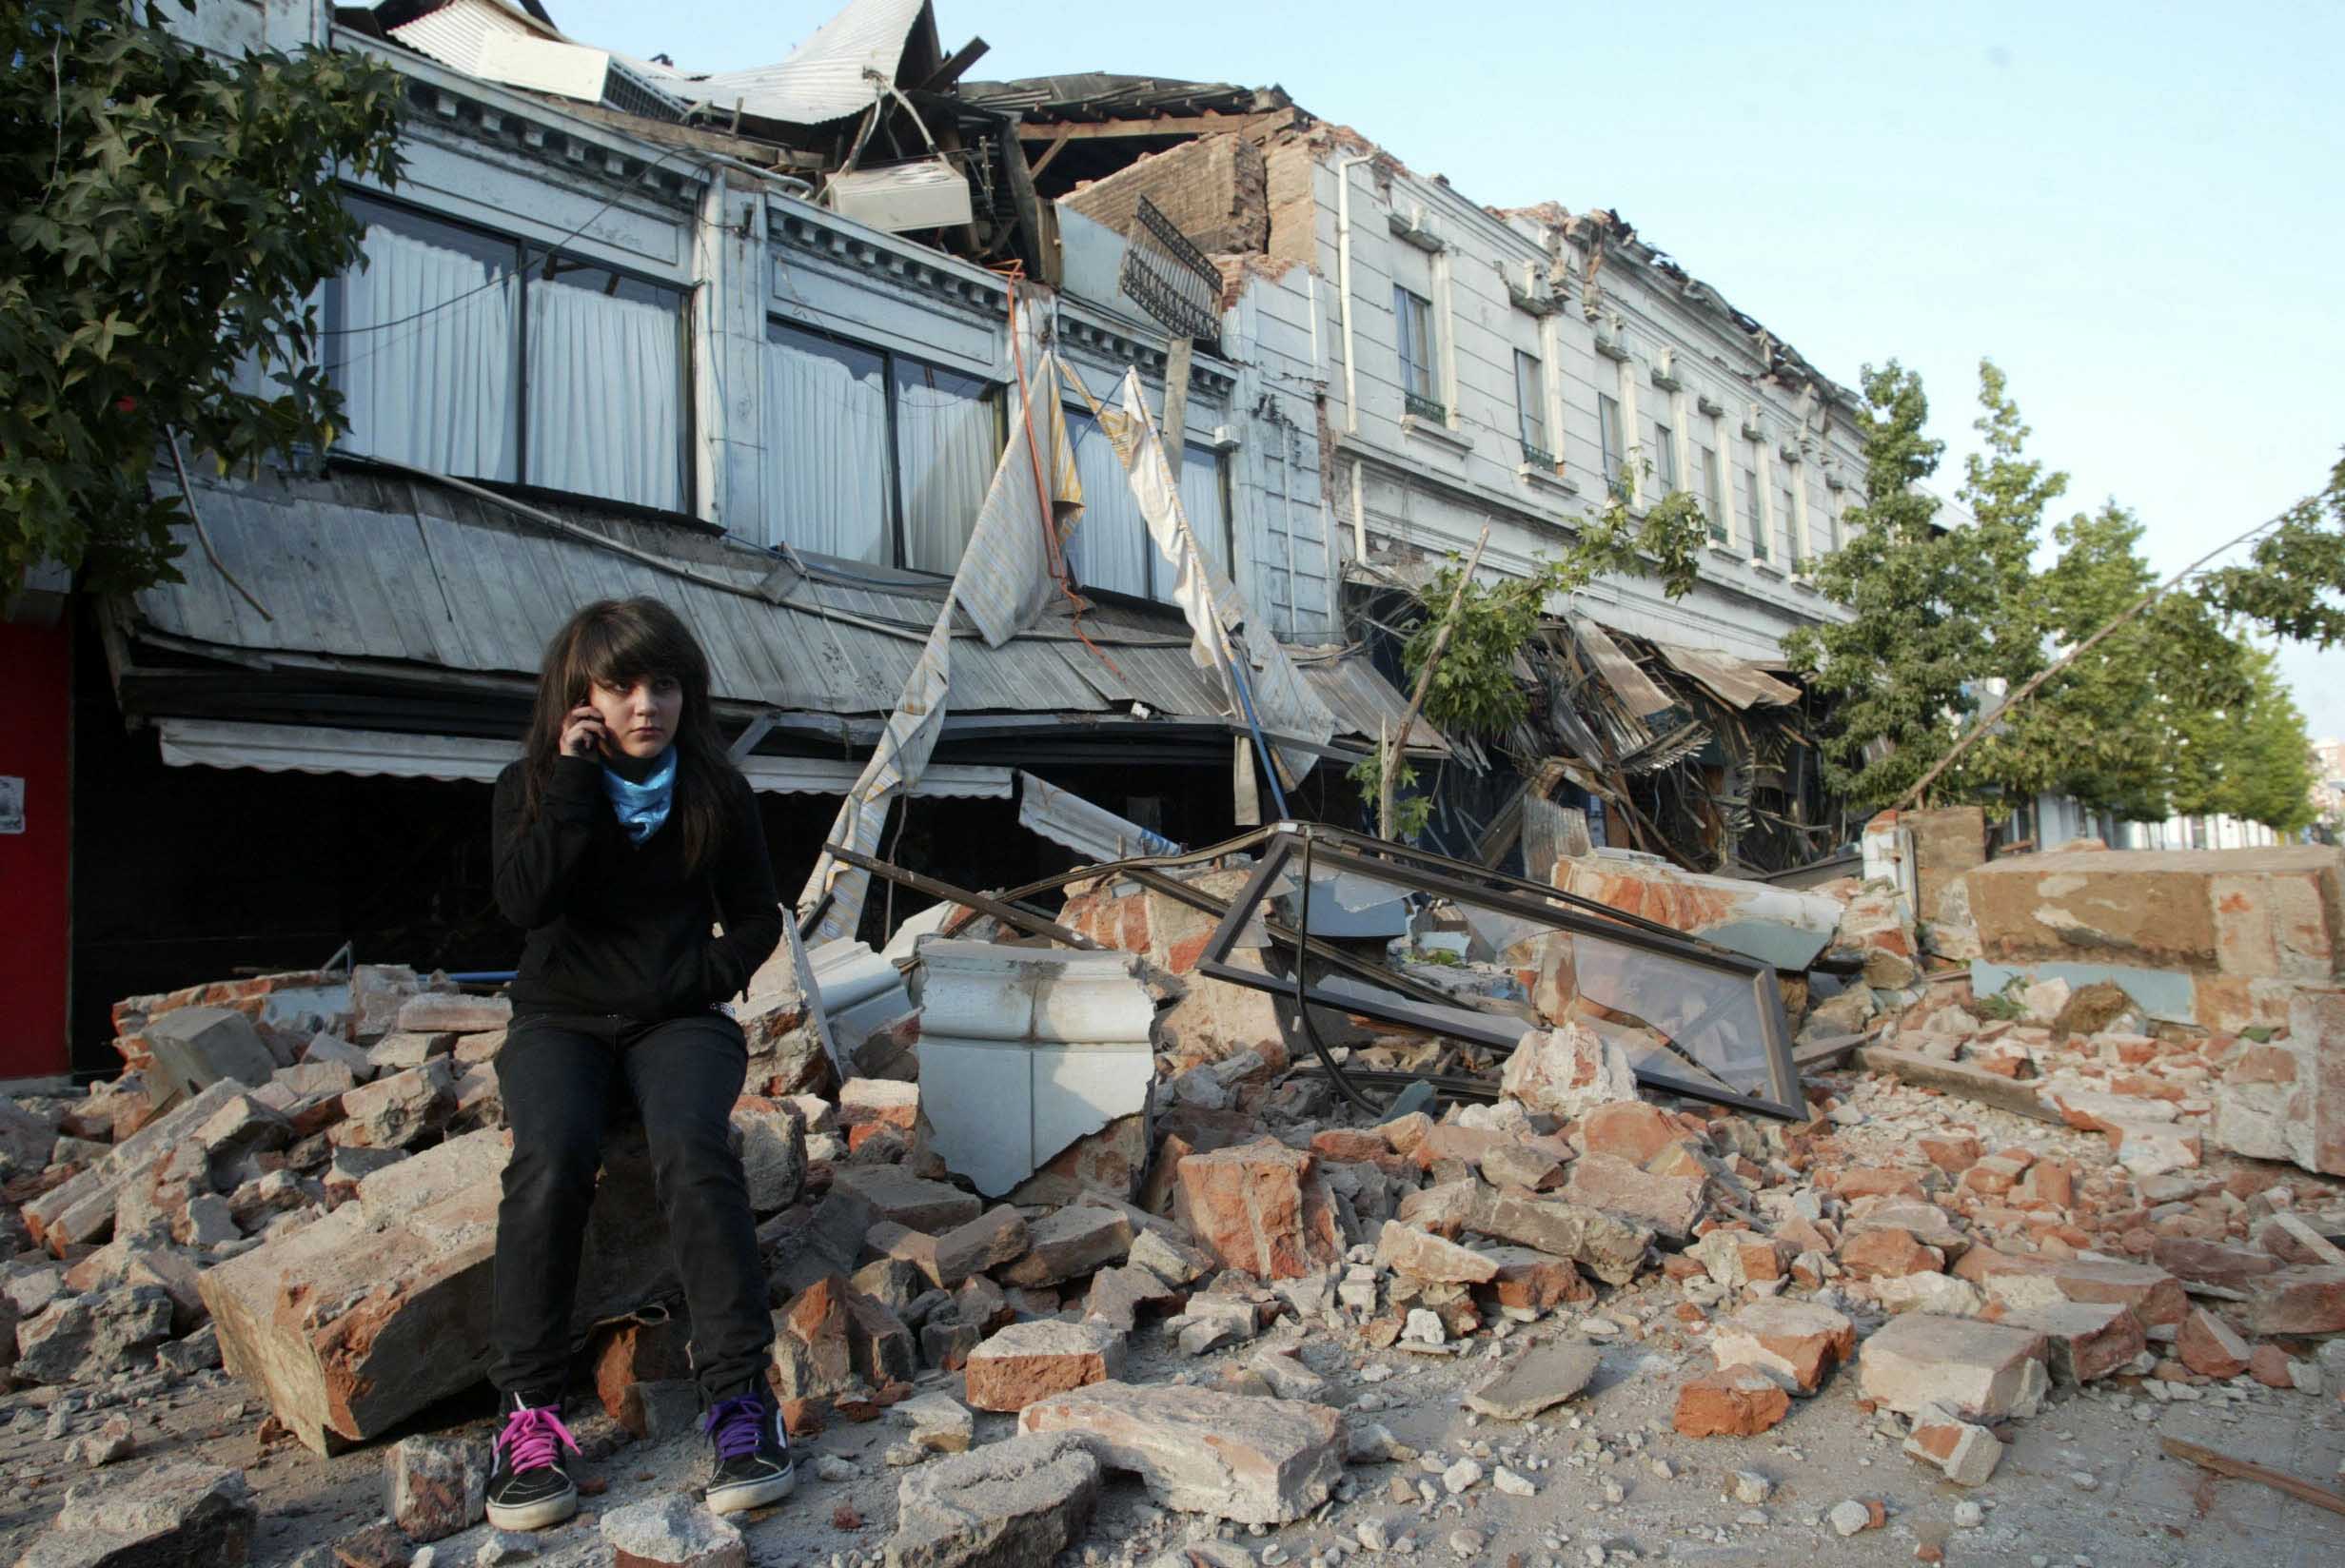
(2255,761)
(170,214)
(2006,493)
(1901,671)
(2294,580)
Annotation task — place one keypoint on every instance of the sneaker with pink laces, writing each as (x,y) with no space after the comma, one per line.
(528,1489)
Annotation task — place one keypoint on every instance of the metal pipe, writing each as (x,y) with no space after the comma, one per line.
(1343,281)
(1262,747)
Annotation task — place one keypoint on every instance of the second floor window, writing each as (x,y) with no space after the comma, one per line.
(1531,401)
(1754,513)
(1412,316)
(1664,460)
(1615,451)
(1111,549)
(1714,494)
(872,456)
(474,354)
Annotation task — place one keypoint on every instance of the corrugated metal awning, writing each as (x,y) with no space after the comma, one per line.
(1736,682)
(291,748)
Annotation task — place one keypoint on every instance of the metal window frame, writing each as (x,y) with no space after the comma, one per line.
(1335,850)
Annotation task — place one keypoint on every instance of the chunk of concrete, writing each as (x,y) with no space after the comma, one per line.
(398,1110)
(1031,1361)
(195,1048)
(1567,1071)
(1072,1242)
(672,1532)
(434,1486)
(1018,1503)
(1967,1453)
(773,1151)
(178,1513)
(358,1320)
(2086,1341)
(1672,1205)
(1801,1340)
(1732,1401)
(1542,1377)
(933,1207)
(1260,1206)
(1249,1459)
(1421,1255)
(86,1337)
(1981,1371)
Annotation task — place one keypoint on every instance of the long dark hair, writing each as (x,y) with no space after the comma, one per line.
(617,642)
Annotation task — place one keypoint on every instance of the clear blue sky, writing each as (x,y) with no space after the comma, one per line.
(2134,208)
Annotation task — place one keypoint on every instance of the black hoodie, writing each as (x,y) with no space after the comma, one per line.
(620,929)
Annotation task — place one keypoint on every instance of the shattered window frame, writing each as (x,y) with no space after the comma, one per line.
(1334,853)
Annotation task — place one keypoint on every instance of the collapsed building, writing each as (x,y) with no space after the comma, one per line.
(1327,1188)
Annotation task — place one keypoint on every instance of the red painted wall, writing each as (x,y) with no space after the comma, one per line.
(36,675)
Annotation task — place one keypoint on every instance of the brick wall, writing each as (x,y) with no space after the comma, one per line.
(1214,190)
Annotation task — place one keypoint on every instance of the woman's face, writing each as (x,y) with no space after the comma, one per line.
(641,717)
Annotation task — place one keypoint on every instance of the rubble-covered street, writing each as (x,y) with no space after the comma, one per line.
(1090,1256)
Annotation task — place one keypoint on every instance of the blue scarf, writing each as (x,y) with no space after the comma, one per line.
(643,806)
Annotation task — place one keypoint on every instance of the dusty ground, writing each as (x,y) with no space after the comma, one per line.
(2084,1484)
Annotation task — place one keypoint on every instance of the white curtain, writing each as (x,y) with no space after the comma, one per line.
(426,359)
(1112,548)
(948,435)
(826,452)
(1201,499)
(606,396)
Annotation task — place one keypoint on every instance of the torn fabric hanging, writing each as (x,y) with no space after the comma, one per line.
(1007,573)
(1225,629)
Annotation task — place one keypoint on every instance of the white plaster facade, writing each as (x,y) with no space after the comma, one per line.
(1663,348)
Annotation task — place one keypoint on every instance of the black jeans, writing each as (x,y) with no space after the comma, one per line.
(561,1076)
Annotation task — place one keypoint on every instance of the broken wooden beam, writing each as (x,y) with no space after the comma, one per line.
(982,903)
(2238,1469)
(1957,1078)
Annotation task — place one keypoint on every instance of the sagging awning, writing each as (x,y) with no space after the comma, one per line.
(308,749)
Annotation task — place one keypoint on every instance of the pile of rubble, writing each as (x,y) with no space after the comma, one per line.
(1057,1216)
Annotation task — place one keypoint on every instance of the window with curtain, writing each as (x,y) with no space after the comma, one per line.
(828,485)
(456,351)
(1112,547)
(605,384)
(873,456)
(948,434)
(425,345)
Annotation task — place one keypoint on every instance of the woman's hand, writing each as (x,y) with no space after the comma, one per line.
(582,734)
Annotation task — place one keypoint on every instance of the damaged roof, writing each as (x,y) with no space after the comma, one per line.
(375,581)
(1087,95)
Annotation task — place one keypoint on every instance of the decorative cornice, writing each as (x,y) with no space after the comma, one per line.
(796,226)
(671,181)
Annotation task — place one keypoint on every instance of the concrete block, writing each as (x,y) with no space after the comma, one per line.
(1011,1504)
(195,1048)
(1983,1371)
(360,1319)
(1249,1459)
(1031,1361)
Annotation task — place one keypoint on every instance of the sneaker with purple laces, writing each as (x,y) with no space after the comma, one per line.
(528,1489)
(752,1453)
